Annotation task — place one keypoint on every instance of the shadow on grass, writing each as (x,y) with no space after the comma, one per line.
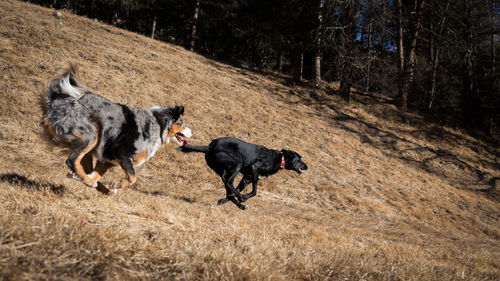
(461,171)
(19,180)
(163,194)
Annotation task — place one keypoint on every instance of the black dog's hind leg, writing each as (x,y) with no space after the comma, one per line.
(228,179)
(241,186)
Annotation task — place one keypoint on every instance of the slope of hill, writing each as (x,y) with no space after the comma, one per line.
(382,199)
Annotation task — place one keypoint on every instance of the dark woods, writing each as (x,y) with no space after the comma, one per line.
(437,57)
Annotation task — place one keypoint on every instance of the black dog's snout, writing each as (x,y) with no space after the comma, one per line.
(304,166)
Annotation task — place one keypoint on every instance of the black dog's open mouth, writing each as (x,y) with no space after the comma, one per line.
(300,170)
(180,139)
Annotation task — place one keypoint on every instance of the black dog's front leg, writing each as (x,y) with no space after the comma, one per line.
(241,186)
(255,180)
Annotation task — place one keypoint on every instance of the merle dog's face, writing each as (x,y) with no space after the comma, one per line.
(171,122)
(293,161)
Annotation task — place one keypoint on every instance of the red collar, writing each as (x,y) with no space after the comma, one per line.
(282,165)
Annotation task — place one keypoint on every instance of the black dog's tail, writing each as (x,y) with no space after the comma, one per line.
(193,148)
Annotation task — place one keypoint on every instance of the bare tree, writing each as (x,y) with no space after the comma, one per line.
(492,16)
(409,66)
(468,99)
(347,50)
(193,28)
(401,56)
(317,57)
(153,28)
(279,62)
(367,85)
(435,48)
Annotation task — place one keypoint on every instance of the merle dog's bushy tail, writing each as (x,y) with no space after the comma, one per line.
(65,86)
(193,148)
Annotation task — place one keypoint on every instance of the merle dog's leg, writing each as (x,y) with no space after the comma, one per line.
(128,167)
(74,160)
(101,168)
(241,186)
(87,163)
(255,180)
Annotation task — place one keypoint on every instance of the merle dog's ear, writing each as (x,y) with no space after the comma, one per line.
(178,111)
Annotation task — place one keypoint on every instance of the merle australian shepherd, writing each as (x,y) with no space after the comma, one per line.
(230,156)
(115,134)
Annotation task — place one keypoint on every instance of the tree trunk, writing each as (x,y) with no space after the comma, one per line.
(317,57)
(435,54)
(153,29)
(431,40)
(492,38)
(193,28)
(367,85)
(468,99)
(347,45)
(412,54)
(403,99)
(381,40)
(298,62)
(279,63)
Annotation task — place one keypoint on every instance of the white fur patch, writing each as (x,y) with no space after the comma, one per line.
(187,132)
(67,88)
(92,184)
(142,162)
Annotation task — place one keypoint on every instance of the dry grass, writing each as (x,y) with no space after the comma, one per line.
(382,200)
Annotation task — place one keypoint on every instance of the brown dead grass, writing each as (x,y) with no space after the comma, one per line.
(383,199)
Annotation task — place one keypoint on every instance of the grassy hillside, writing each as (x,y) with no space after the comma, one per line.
(383,199)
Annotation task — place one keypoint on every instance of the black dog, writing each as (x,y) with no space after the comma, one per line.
(230,156)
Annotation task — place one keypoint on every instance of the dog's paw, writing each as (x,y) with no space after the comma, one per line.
(92,184)
(243,207)
(72,175)
(94,176)
(112,191)
(222,201)
(115,184)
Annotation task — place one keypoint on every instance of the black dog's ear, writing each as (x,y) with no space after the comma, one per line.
(287,153)
(290,154)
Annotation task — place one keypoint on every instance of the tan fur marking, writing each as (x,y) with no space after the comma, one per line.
(126,182)
(174,130)
(49,128)
(78,166)
(100,169)
(140,157)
